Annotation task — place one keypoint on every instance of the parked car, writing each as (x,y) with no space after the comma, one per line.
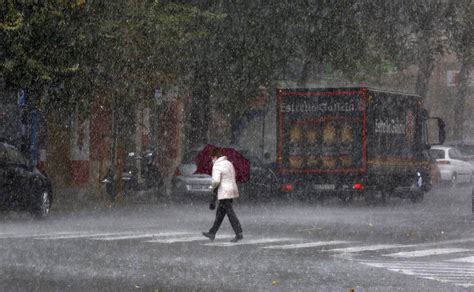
(452,165)
(186,181)
(263,180)
(23,186)
(465,147)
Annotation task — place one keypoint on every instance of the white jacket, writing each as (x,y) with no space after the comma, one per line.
(223,177)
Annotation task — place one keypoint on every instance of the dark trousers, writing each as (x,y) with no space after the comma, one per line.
(225,207)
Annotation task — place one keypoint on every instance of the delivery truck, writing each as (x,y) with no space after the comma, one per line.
(350,142)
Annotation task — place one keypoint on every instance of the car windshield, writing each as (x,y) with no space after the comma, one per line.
(437,153)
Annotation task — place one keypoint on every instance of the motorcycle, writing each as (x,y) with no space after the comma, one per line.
(150,176)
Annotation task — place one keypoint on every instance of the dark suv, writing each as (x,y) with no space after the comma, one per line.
(22,186)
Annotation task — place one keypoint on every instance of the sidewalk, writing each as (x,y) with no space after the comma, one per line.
(78,198)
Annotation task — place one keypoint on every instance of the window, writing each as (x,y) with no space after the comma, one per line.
(15,157)
(437,154)
(454,154)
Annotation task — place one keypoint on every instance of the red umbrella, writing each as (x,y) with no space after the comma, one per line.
(241,164)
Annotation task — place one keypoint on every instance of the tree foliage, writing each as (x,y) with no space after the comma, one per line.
(38,41)
(220,50)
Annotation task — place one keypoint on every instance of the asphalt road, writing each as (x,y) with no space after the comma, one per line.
(288,246)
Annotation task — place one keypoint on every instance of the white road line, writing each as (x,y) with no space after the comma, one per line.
(188,239)
(247,242)
(465,285)
(80,235)
(309,229)
(307,244)
(426,252)
(461,240)
(448,267)
(451,273)
(463,260)
(439,276)
(418,263)
(23,235)
(367,248)
(453,269)
(137,236)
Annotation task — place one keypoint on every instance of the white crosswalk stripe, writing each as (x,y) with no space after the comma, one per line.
(432,260)
(187,239)
(426,252)
(375,247)
(73,235)
(251,241)
(460,275)
(307,244)
(38,234)
(464,260)
(137,236)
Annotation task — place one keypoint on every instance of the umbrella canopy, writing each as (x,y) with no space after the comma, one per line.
(241,164)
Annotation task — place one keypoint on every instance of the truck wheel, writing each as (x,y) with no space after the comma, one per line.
(384,195)
(369,198)
(346,197)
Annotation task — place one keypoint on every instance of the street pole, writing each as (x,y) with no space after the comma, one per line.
(263,136)
(114,146)
(138,142)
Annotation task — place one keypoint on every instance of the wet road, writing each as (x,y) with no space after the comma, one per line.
(288,246)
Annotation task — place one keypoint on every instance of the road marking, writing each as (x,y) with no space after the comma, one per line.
(187,239)
(427,267)
(461,240)
(73,235)
(426,252)
(368,248)
(309,229)
(459,275)
(23,235)
(137,236)
(464,260)
(247,242)
(307,244)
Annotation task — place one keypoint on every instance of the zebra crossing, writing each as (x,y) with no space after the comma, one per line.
(445,272)
(438,261)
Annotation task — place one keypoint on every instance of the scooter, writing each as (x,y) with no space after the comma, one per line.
(150,174)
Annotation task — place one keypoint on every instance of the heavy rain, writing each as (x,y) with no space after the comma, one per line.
(337,137)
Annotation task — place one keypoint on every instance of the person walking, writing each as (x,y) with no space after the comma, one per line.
(223,178)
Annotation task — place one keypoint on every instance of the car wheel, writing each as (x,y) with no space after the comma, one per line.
(43,205)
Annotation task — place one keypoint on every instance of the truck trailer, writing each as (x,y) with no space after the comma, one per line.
(349,142)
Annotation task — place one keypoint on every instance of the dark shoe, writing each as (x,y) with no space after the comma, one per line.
(237,237)
(209,235)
